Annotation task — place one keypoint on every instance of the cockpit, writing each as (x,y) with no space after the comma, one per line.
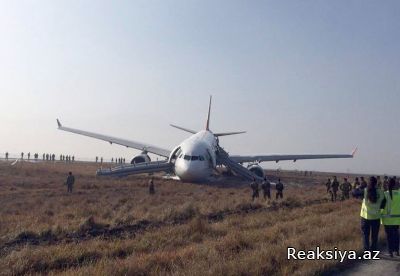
(192,157)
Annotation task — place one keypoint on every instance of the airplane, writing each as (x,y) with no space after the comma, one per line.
(196,158)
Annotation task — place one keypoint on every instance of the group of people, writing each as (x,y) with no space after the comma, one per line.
(381,205)
(332,187)
(45,157)
(266,188)
(117,160)
(356,189)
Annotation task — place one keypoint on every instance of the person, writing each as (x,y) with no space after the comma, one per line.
(101,160)
(391,217)
(112,160)
(328,185)
(22,155)
(70,182)
(53,157)
(345,187)
(97,159)
(152,190)
(47,157)
(385,183)
(73,158)
(254,187)
(7,155)
(363,184)
(356,184)
(379,182)
(279,189)
(29,155)
(370,215)
(266,187)
(43,156)
(335,188)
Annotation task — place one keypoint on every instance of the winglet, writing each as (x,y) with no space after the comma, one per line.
(58,123)
(353,153)
(208,116)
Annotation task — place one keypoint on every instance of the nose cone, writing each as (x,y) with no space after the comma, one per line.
(191,171)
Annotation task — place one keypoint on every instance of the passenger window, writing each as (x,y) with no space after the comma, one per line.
(195,158)
(201,158)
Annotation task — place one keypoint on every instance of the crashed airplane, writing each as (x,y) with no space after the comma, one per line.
(196,158)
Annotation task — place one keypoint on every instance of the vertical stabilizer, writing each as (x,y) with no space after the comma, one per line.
(208,116)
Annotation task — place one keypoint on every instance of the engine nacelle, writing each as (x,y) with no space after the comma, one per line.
(256,169)
(141,158)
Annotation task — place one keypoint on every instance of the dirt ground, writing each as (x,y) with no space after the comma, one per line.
(113,226)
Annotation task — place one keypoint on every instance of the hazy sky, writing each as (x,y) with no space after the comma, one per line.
(299,76)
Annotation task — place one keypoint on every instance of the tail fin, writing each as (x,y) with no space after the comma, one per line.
(208,116)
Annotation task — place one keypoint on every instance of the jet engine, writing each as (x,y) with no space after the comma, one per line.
(141,158)
(256,169)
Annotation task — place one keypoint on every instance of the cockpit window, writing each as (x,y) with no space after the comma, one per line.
(186,157)
(201,158)
(195,158)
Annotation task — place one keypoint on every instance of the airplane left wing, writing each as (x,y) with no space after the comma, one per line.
(119,141)
(294,157)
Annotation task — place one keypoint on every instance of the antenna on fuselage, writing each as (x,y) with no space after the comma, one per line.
(208,116)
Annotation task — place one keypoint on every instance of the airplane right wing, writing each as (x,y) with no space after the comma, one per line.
(118,141)
(293,157)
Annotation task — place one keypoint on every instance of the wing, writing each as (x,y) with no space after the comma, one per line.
(118,141)
(294,157)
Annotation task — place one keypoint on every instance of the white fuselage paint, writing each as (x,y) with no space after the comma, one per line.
(202,144)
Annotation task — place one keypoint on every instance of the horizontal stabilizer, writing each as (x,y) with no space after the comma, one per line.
(184,129)
(228,133)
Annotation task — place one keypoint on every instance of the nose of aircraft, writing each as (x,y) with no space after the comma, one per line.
(189,170)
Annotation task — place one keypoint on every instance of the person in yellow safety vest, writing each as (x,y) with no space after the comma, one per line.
(371,214)
(391,217)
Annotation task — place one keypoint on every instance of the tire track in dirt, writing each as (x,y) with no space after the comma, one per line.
(90,230)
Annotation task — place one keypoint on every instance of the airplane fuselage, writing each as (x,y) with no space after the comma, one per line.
(196,158)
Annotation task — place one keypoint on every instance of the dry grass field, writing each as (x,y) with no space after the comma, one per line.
(111,226)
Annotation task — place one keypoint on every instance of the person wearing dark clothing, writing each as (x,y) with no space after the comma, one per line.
(279,189)
(328,185)
(6,155)
(370,215)
(266,187)
(152,190)
(363,184)
(391,217)
(335,188)
(70,182)
(254,187)
(345,187)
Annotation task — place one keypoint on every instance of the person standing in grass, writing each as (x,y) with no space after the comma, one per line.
(254,187)
(345,187)
(391,217)
(335,188)
(70,182)
(266,187)
(371,214)
(152,189)
(279,189)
